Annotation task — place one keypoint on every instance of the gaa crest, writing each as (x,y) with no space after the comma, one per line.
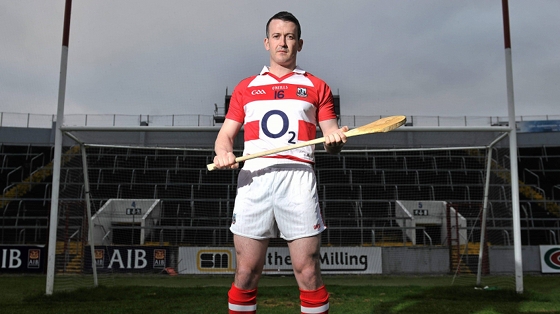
(301,92)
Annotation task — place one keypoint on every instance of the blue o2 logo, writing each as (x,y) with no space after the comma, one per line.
(264,123)
(285,124)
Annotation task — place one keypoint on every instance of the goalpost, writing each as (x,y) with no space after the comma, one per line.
(128,206)
(72,224)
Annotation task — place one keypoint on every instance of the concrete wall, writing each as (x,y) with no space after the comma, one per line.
(415,260)
(435,260)
(26,136)
(501,259)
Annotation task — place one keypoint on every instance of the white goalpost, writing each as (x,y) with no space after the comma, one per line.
(360,191)
(58,145)
(122,204)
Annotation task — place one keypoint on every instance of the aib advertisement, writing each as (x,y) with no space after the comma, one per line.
(22,258)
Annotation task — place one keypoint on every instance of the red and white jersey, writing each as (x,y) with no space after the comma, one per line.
(281,111)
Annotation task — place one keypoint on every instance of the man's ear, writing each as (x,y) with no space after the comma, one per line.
(300,45)
(266,44)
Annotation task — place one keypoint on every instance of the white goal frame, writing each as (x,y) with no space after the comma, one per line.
(505,131)
(511,130)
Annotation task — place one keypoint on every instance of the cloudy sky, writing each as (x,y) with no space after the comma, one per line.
(383,57)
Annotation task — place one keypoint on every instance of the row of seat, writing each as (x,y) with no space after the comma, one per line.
(354,190)
(346,161)
(324,176)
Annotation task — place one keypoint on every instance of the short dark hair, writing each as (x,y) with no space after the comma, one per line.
(286,17)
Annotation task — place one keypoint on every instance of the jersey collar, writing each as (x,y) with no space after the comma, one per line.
(297,70)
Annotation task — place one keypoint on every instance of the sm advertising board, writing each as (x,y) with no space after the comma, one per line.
(221,260)
(22,258)
(550,258)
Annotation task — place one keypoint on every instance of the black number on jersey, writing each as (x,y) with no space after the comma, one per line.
(292,139)
(279,94)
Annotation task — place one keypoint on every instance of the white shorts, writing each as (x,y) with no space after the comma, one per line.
(278,198)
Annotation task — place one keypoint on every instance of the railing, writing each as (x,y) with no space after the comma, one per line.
(20,168)
(557,226)
(534,175)
(505,234)
(556,187)
(553,237)
(67,252)
(426,235)
(29,120)
(31,169)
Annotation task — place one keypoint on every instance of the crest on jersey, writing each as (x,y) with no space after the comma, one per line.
(301,92)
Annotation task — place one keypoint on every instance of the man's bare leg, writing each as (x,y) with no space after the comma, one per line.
(250,255)
(304,254)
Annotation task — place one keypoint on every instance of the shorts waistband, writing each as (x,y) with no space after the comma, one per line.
(261,163)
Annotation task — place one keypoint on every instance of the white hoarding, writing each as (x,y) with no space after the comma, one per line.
(550,258)
(339,260)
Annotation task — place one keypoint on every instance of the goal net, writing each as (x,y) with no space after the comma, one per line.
(401,208)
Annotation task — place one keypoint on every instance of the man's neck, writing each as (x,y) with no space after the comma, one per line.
(279,70)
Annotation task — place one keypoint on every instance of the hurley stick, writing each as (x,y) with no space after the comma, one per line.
(382,125)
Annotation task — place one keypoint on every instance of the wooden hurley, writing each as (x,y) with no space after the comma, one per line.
(380,126)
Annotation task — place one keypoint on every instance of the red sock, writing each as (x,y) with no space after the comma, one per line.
(314,301)
(242,301)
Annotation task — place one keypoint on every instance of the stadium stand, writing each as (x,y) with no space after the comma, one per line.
(355,190)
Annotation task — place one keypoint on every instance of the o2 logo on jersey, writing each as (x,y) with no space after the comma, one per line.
(285,124)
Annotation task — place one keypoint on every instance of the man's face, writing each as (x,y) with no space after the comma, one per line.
(282,43)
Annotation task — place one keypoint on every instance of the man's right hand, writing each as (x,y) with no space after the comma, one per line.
(225,161)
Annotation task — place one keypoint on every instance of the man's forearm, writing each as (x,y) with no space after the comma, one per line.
(223,146)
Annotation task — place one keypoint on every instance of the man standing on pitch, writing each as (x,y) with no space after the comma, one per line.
(277,194)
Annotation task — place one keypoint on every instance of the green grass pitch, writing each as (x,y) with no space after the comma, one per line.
(348,294)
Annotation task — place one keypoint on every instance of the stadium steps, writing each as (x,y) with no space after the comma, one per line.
(74,250)
(392,243)
(150,243)
(464,258)
(75,265)
(526,190)
(19,190)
